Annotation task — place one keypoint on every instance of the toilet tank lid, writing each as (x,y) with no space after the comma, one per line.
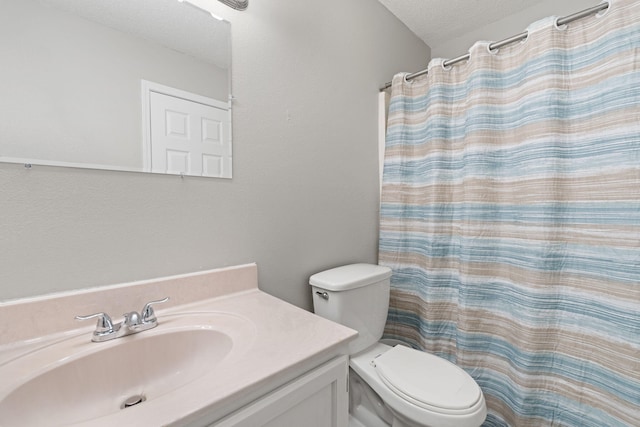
(349,277)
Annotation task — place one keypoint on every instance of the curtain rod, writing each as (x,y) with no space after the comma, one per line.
(497,45)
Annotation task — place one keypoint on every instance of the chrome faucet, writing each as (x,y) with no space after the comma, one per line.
(132,323)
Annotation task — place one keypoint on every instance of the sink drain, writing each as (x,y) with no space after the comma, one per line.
(133,401)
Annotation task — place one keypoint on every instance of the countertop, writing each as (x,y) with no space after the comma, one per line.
(280,342)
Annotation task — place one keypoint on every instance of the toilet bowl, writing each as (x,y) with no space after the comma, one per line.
(392,386)
(418,388)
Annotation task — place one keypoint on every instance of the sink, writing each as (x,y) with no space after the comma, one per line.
(75,380)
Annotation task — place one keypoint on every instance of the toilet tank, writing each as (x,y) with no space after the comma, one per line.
(357,296)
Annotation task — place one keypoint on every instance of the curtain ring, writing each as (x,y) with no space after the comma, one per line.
(604,12)
(562,27)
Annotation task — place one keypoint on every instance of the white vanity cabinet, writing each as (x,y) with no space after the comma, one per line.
(318,398)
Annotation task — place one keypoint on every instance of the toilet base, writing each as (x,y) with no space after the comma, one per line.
(366,409)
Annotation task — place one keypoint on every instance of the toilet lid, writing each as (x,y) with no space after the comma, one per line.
(426,380)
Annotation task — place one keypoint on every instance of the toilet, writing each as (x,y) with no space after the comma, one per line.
(391,385)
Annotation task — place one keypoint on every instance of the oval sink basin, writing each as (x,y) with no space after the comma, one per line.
(95,379)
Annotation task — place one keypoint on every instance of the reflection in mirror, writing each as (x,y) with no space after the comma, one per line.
(136,85)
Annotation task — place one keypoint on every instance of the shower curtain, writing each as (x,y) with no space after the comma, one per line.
(510,216)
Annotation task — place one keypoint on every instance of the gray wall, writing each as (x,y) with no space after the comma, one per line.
(304,193)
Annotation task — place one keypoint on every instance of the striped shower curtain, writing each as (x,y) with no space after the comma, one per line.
(510,216)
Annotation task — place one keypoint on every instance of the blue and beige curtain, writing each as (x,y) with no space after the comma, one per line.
(510,216)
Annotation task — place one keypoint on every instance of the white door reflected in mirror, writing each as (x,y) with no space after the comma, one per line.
(189,137)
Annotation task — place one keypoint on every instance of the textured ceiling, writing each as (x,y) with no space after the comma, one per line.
(436,21)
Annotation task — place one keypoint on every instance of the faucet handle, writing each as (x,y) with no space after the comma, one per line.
(104,325)
(131,319)
(147,314)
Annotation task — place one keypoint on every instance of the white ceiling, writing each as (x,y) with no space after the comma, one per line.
(436,21)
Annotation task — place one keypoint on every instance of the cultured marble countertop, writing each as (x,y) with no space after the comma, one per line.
(279,343)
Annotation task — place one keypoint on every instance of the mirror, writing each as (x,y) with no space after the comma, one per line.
(130,85)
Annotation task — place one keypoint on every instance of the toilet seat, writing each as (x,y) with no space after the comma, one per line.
(427,381)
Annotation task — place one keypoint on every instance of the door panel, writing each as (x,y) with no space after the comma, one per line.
(189,137)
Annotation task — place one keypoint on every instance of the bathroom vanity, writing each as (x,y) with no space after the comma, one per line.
(223,354)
